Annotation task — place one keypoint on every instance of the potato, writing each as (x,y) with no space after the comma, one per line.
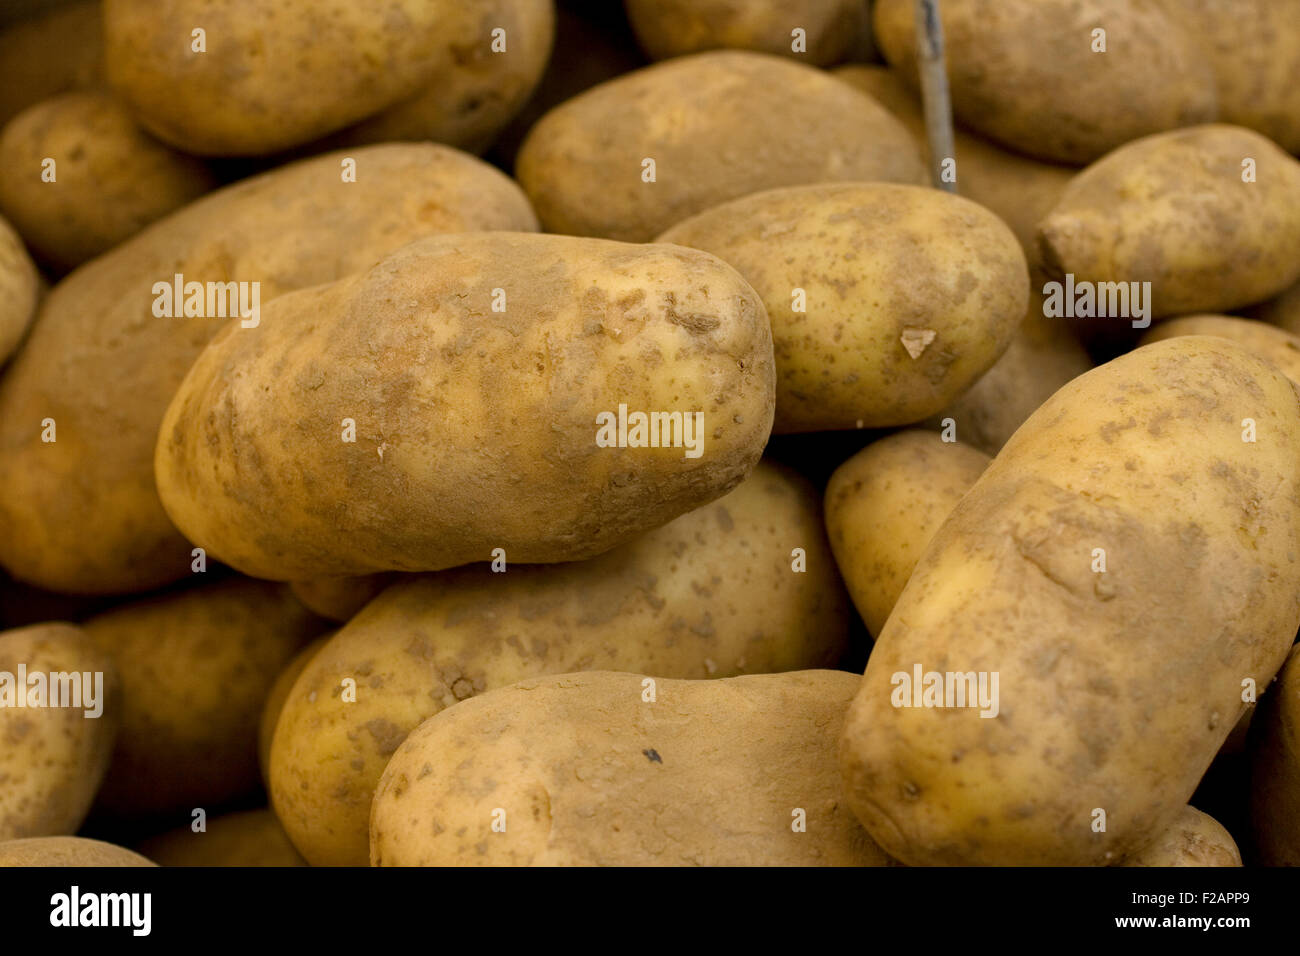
(276,698)
(112,178)
(272,73)
(250,838)
(1275,771)
(1158,210)
(1020,190)
(1282,310)
(81,514)
(1273,345)
(717,126)
(886,301)
(475,433)
(19,290)
(58,51)
(666,28)
(67,851)
(1027,73)
(339,599)
(1194,839)
(591,770)
(1121,685)
(712,594)
(196,667)
(883,507)
(53,755)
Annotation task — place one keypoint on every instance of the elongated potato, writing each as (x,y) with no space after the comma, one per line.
(56,52)
(859,341)
(1267,342)
(81,513)
(477,430)
(1193,839)
(67,851)
(1123,565)
(1030,75)
(19,290)
(713,594)
(590,770)
(717,126)
(1157,210)
(112,178)
(1275,771)
(884,505)
(56,729)
(275,700)
(196,667)
(250,838)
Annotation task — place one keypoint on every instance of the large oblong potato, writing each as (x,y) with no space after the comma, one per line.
(717,126)
(1122,566)
(1193,839)
(81,513)
(20,287)
(52,759)
(113,179)
(884,505)
(65,851)
(886,301)
(476,429)
(1267,342)
(1174,210)
(714,593)
(1275,770)
(589,770)
(1025,72)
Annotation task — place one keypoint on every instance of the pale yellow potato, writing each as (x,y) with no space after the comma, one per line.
(20,289)
(196,667)
(81,514)
(1193,839)
(1116,688)
(718,126)
(1173,210)
(713,594)
(908,295)
(1024,73)
(1273,345)
(475,430)
(66,851)
(55,52)
(274,73)
(586,771)
(275,699)
(340,598)
(1275,771)
(52,759)
(832,29)
(1283,310)
(884,505)
(250,838)
(111,178)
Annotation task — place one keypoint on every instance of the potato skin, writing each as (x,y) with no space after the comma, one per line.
(82,514)
(53,759)
(589,774)
(19,290)
(339,599)
(250,838)
(275,700)
(712,594)
(477,429)
(66,851)
(1273,345)
(1023,72)
(113,179)
(54,53)
(847,362)
(196,666)
(718,125)
(1275,770)
(1118,689)
(1158,209)
(1193,839)
(884,505)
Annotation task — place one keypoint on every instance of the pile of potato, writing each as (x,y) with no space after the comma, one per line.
(519,433)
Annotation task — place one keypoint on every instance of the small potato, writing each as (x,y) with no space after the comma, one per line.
(886,301)
(275,699)
(610,769)
(830,28)
(476,430)
(196,667)
(713,594)
(250,838)
(1282,310)
(1173,210)
(1275,770)
(112,178)
(53,755)
(1119,569)
(1029,74)
(56,52)
(1193,839)
(64,851)
(883,507)
(19,290)
(717,126)
(339,599)
(1273,345)
(81,514)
